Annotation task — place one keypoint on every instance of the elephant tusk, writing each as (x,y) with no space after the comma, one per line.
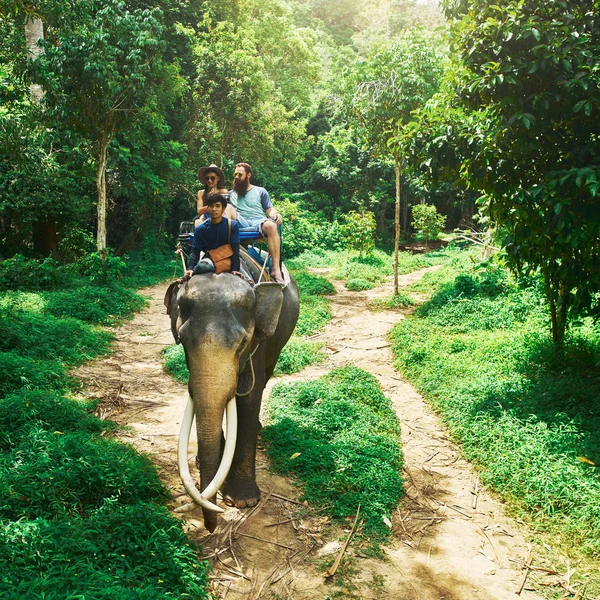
(230,439)
(228,452)
(182,459)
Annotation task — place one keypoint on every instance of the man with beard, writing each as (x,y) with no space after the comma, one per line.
(255,209)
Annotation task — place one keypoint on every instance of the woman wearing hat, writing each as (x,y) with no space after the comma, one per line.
(214,183)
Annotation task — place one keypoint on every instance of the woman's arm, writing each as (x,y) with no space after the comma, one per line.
(200,204)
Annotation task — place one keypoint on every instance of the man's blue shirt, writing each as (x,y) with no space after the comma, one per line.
(207,236)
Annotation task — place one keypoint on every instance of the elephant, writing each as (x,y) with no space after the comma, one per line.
(232,334)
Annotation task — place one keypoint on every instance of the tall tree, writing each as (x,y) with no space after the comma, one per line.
(240,111)
(34,32)
(387,87)
(99,72)
(536,84)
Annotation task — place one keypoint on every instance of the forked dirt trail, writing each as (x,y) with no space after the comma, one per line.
(451,540)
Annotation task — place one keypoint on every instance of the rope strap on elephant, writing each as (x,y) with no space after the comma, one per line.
(252,371)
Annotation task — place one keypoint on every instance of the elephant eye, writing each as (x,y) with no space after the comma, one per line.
(244,342)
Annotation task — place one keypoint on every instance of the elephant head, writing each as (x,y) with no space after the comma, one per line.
(221,321)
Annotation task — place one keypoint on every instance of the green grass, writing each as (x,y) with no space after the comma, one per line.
(315,310)
(315,313)
(174,363)
(392,302)
(297,355)
(356,284)
(341,438)
(375,268)
(119,552)
(81,515)
(42,335)
(479,350)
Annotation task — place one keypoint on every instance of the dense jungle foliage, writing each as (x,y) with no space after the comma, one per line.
(339,106)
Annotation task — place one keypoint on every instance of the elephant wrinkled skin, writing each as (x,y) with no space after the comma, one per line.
(232,335)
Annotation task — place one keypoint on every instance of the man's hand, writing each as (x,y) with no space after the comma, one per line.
(189,273)
(242,276)
(275,216)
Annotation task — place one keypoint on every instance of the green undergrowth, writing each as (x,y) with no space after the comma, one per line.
(81,515)
(341,438)
(525,413)
(315,313)
(174,363)
(392,302)
(298,354)
(356,284)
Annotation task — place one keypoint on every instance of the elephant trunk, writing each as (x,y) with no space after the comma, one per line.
(212,390)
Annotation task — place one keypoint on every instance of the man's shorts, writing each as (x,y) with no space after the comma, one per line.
(253,223)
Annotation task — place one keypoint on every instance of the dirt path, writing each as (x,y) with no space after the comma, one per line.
(442,547)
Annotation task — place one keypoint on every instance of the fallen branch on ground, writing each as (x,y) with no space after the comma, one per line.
(338,559)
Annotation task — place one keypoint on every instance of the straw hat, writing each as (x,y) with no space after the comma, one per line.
(204,170)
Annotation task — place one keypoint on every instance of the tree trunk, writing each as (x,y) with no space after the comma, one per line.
(101,187)
(561,315)
(34,31)
(382,215)
(405,217)
(558,310)
(396,223)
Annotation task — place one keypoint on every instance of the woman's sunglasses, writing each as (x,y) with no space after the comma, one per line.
(210,178)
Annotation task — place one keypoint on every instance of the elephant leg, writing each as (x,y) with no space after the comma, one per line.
(240,488)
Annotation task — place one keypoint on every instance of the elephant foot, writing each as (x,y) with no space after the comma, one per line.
(240,496)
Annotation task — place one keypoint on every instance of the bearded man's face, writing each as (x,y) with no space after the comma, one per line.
(241,181)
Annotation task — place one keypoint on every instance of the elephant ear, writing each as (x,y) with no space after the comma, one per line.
(269,299)
(171,295)
(173,309)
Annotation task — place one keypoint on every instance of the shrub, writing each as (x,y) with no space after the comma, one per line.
(24,274)
(359,232)
(100,270)
(305,231)
(427,221)
(358,285)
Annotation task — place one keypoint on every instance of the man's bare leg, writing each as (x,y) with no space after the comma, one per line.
(274,243)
